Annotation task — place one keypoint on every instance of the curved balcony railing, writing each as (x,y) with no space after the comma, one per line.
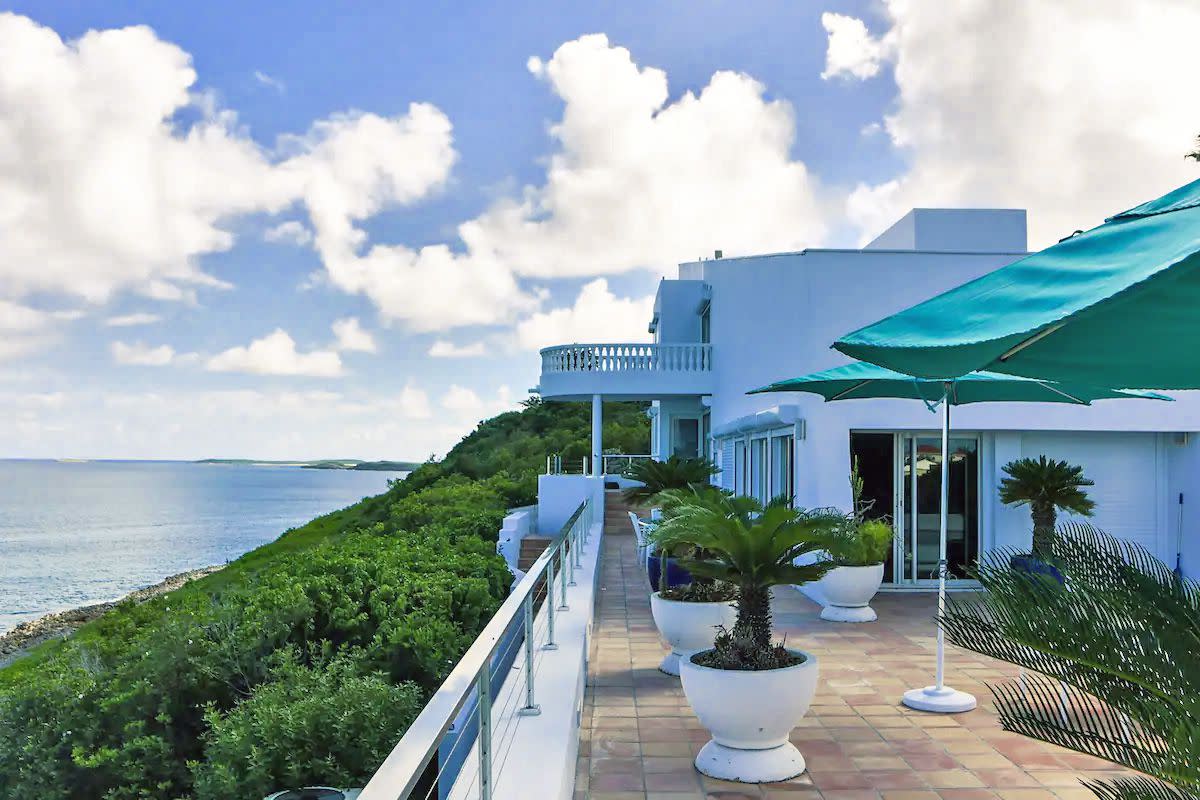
(575,358)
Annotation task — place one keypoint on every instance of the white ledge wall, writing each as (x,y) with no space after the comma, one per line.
(536,759)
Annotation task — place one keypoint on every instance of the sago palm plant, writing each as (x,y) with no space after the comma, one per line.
(1118,644)
(749,546)
(1047,486)
(674,473)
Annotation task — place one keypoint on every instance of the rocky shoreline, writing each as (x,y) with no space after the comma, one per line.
(61,624)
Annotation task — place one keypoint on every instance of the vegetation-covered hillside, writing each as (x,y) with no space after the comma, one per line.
(304,660)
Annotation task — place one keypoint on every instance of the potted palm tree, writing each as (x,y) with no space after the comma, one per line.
(657,477)
(749,691)
(859,547)
(1047,486)
(689,613)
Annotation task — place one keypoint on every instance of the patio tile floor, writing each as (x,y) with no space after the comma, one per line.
(638,735)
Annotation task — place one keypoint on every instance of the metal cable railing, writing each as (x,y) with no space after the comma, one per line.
(462,715)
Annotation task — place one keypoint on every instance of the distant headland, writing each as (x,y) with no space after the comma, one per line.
(332,463)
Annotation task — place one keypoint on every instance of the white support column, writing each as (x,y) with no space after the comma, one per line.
(597,435)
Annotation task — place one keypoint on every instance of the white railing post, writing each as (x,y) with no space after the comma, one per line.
(570,564)
(562,572)
(550,643)
(531,708)
(484,687)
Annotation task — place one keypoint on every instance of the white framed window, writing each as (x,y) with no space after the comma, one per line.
(685,437)
(783,467)
(758,469)
(740,464)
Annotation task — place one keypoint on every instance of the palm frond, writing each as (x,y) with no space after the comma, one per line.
(675,472)
(1122,636)
(1138,788)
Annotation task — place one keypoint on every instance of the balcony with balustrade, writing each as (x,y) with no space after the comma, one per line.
(627,371)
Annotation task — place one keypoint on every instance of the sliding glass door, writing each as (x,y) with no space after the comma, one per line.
(919,508)
(901,475)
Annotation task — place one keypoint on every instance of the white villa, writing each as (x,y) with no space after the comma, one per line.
(728,325)
(556,700)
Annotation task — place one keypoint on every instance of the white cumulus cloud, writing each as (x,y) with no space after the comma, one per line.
(129,320)
(461,399)
(289,232)
(276,354)
(426,289)
(637,181)
(852,50)
(995,107)
(142,355)
(103,189)
(444,349)
(351,336)
(466,404)
(597,315)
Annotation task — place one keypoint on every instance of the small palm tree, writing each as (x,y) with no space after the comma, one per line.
(1118,642)
(1047,486)
(751,547)
(674,473)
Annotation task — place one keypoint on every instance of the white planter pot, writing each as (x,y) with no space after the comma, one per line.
(848,592)
(750,715)
(688,627)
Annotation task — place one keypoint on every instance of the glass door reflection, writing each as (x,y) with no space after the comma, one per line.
(920,477)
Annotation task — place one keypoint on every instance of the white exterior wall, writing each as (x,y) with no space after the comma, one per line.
(666,411)
(774,317)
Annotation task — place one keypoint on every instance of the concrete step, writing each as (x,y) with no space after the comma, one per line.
(531,548)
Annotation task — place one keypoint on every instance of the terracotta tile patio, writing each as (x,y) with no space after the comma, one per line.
(638,734)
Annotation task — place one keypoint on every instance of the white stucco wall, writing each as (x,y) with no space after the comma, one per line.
(774,317)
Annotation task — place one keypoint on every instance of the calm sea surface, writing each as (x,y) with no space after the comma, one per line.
(78,533)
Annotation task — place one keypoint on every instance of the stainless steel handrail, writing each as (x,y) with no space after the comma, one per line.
(404,767)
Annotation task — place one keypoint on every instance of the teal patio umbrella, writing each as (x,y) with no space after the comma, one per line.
(1114,306)
(861,381)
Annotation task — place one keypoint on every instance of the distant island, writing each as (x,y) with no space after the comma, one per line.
(333,463)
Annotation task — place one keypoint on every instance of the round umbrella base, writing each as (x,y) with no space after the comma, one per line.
(941,701)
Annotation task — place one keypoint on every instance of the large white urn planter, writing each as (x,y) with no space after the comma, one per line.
(750,715)
(848,592)
(688,627)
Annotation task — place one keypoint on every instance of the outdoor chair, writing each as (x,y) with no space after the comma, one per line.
(640,529)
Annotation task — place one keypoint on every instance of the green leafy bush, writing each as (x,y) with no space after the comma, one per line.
(321,725)
(120,715)
(212,690)
(860,544)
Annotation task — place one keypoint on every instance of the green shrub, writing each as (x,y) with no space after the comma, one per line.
(120,715)
(475,508)
(321,725)
(861,544)
(214,689)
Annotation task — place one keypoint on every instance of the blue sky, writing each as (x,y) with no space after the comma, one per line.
(784,125)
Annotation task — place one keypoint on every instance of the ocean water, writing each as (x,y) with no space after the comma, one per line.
(72,534)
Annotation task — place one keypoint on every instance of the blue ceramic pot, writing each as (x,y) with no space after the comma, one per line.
(676,575)
(1035,566)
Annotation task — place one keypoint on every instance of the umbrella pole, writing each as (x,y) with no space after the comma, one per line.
(943,523)
(939,697)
